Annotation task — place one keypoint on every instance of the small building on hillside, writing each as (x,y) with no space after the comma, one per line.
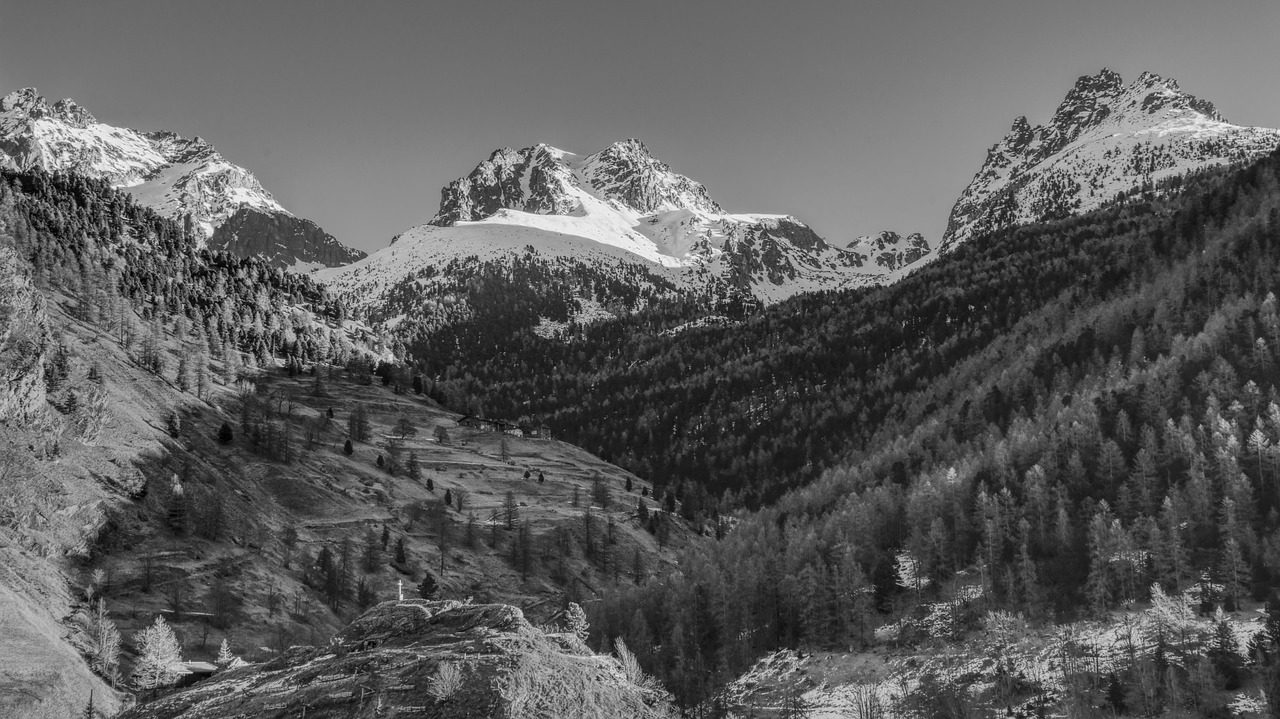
(479,423)
(192,672)
(536,431)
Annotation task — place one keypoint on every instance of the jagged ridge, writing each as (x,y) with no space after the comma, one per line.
(179,177)
(1105,138)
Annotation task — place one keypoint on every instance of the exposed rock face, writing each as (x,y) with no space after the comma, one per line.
(422,658)
(891,250)
(284,240)
(626,173)
(531,180)
(547,181)
(179,177)
(24,342)
(1104,139)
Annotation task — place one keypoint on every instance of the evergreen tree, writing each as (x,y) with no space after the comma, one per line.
(158,657)
(225,657)
(575,622)
(1232,566)
(428,587)
(105,658)
(510,510)
(358,427)
(405,428)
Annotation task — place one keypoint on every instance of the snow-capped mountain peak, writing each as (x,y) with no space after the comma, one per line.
(625,172)
(618,205)
(184,178)
(1105,138)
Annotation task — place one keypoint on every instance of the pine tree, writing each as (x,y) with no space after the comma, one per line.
(510,510)
(1098,587)
(428,587)
(1173,560)
(575,621)
(405,428)
(225,657)
(159,657)
(358,427)
(105,659)
(1232,567)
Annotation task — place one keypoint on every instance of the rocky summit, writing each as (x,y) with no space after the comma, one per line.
(186,179)
(1105,139)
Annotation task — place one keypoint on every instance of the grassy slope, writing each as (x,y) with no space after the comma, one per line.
(325,495)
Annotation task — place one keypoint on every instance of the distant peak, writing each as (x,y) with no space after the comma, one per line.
(630,146)
(1150,79)
(1106,80)
(28,101)
(24,99)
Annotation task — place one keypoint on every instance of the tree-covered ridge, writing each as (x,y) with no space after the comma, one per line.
(1068,413)
(518,291)
(111,253)
(761,405)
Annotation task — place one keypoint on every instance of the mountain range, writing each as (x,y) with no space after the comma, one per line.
(187,179)
(948,492)
(621,206)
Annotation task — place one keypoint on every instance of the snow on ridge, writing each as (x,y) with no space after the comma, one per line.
(1105,139)
(171,174)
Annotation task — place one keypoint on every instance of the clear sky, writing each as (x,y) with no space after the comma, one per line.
(853,115)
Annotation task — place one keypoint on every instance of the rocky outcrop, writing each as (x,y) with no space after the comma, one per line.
(425,659)
(891,250)
(282,239)
(24,342)
(626,173)
(1106,138)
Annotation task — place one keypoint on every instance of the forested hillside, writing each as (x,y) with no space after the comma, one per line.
(744,410)
(1049,420)
(202,437)
(116,255)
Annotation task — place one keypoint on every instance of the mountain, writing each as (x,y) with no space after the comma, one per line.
(618,206)
(186,179)
(1105,139)
(891,250)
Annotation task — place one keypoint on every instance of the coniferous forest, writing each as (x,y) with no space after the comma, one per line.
(1087,410)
